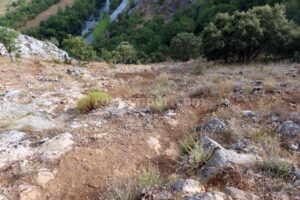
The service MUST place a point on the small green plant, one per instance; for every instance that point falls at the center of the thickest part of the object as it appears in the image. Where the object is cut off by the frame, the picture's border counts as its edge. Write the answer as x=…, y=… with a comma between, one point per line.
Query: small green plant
x=187, y=143
x=276, y=167
x=149, y=178
x=159, y=106
x=93, y=101
x=198, y=157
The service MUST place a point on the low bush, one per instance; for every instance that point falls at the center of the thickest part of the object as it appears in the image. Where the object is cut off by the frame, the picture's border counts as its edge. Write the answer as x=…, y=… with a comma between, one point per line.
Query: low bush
x=93, y=101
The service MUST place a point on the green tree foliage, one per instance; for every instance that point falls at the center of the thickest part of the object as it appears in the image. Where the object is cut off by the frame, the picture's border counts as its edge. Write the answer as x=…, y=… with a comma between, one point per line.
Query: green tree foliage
x=125, y=53
x=78, y=49
x=243, y=35
x=8, y=39
x=185, y=46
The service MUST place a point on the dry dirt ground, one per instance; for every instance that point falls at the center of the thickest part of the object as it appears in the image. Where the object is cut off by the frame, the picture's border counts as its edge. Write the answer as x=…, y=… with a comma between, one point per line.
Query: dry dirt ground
x=122, y=140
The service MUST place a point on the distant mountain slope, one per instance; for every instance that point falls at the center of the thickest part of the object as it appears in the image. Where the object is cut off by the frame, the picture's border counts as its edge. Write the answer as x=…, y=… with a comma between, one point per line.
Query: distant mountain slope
x=167, y=8
x=47, y=13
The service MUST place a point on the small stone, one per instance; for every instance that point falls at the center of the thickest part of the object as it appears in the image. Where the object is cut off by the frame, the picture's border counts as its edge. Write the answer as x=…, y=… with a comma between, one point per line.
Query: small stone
x=248, y=114
x=30, y=193
x=188, y=186
x=208, y=196
x=215, y=126
x=2, y=197
x=44, y=176
x=289, y=129
x=238, y=194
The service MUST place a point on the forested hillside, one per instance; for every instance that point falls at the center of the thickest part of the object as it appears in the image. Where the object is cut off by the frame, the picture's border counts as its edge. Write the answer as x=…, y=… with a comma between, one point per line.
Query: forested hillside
x=271, y=30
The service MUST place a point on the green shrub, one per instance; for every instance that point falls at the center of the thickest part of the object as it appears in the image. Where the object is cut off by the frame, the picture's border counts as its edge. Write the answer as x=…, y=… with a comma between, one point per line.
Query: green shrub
x=125, y=53
x=276, y=167
x=93, y=100
x=150, y=178
x=77, y=48
x=185, y=46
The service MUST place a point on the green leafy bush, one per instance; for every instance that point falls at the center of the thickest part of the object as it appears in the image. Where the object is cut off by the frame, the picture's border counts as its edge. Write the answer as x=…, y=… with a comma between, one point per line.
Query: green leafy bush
x=8, y=38
x=185, y=46
x=93, y=100
x=77, y=48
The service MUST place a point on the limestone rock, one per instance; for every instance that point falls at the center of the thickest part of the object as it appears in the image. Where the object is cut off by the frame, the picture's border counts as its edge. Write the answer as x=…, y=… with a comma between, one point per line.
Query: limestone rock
x=209, y=196
x=44, y=176
x=30, y=193
x=289, y=129
x=238, y=194
x=30, y=46
x=223, y=158
x=188, y=186
x=52, y=149
x=12, y=148
x=35, y=122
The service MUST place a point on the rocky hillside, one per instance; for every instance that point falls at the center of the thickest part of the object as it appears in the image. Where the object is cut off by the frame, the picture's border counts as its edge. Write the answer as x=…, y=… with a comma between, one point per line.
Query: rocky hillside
x=168, y=133
x=30, y=46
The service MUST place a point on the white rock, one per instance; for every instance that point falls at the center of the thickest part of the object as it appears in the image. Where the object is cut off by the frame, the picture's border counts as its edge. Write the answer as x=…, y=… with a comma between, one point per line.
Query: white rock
x=209, y=196
x=191, y=186
x=34, y=122
x=44, y=176
x=2, y=197
x=238, y=194
x=12, y=148
x=55, y=147
x=30, y=193
x=30, y=46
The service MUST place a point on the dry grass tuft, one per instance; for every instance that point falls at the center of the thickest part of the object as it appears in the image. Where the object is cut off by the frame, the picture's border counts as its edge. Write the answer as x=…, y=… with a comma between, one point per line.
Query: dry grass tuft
x=93, y=100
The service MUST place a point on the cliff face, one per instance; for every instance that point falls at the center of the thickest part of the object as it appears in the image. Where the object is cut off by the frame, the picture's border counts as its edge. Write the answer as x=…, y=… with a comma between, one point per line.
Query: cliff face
x=151, y=8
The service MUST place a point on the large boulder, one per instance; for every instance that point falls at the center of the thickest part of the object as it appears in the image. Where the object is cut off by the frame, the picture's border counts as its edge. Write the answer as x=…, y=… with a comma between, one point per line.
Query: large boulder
x=222, y=158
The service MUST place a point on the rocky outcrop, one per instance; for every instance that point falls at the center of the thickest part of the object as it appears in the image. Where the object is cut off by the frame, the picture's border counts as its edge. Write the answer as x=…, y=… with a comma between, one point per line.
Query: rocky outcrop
x=15, y=147
x=30, y=46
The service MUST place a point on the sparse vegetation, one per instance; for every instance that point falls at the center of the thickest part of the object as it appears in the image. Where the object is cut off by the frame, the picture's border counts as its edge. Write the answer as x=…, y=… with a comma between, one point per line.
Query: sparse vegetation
x=198, y=157
x=93, y=101
x=150, y=177
x=159, y=106
x=122, y=189
x=276, y=167
x=187, y=143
